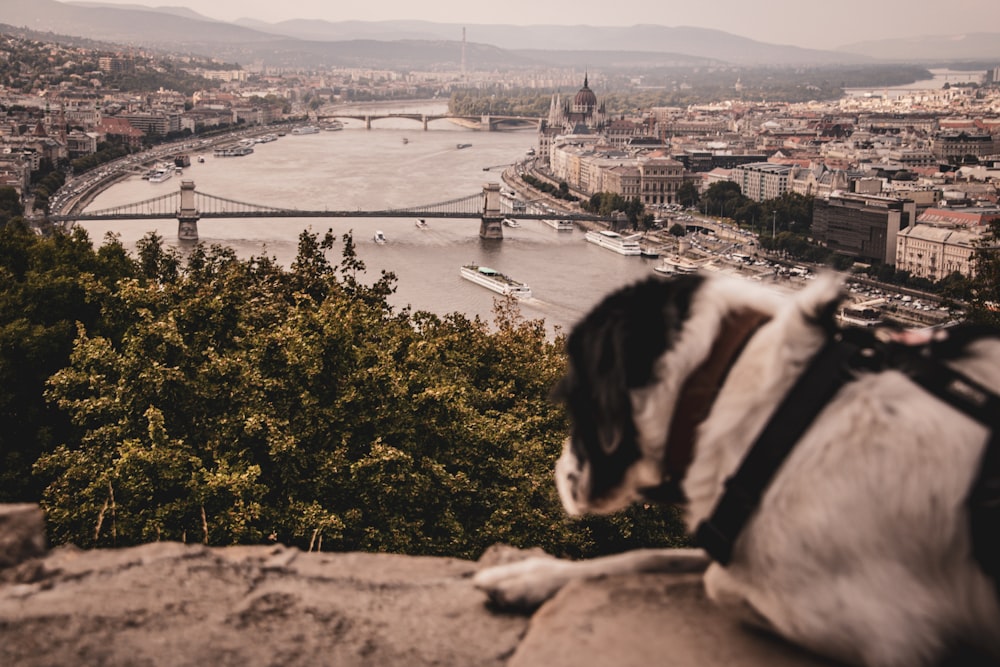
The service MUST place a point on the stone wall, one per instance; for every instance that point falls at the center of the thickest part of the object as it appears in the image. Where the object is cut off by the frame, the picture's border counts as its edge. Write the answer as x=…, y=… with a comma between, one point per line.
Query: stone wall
x=174, y=604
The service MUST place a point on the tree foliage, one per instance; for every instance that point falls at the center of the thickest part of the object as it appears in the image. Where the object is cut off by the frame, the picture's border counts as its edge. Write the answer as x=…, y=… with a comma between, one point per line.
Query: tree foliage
x=223, y=400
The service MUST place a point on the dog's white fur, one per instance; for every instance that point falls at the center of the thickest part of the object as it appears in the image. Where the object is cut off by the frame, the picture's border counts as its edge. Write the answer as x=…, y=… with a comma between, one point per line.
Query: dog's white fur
x=859, y=549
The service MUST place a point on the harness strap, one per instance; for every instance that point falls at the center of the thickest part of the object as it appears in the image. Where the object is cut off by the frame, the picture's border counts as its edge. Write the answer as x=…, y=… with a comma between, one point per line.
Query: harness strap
x=847, y=352
x=983, y=502
x=827, y=372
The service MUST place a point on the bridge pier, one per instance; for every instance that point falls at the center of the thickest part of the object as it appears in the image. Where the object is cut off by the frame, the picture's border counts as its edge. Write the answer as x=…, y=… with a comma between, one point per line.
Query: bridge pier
x=368, y=122
x=423, y=119
x=491, y=225
x=485, y=123
x=187, y=215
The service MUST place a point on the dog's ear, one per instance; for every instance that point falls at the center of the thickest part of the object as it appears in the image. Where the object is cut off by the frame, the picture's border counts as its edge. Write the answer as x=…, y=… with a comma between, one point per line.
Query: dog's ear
x=820, y=301
x=608, y=382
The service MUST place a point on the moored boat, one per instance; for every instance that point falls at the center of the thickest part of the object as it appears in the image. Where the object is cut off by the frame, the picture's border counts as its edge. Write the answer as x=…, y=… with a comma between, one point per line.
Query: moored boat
x=333, y=125
x=496, y=281
x=161, y=173
x=560, y=225
x=866, y=314
x=306, y=129
x=671, y=265
x=623, y=245
x=233, y=150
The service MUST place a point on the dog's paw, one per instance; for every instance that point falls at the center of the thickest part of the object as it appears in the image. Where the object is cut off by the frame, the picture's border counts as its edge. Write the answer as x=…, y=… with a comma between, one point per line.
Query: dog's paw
x=524, y=585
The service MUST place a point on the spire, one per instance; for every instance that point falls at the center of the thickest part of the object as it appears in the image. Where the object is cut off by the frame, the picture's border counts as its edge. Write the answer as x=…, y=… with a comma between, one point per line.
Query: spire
x=585, y=73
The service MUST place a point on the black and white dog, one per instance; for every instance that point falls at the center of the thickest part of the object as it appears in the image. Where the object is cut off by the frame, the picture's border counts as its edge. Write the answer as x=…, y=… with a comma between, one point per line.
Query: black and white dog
x=859, y=547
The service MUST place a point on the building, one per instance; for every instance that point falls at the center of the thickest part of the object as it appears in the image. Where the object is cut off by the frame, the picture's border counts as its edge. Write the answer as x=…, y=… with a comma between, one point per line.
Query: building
x=934, y=251
x=152, y=123
x=659, y=180
x=862, y=226
x=955, y=145
x=761, y=180
x=944, y=241
x=581, y=115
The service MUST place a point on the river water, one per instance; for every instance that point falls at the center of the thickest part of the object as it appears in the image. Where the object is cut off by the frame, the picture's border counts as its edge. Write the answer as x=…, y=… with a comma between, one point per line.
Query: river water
x=374, y=170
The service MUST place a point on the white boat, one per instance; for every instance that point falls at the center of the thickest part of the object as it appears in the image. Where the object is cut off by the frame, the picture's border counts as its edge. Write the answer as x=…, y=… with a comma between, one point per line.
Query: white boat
x=866, y=314
x=511, y=222
x=306, y=129
x=496, y=281
x=233, y=150
x=679, y=265
x=379, y=237
x=421, y=223
x=561, y=225
x=160, y=173
x=201, y=158
x=623, y=245
x=333, y=125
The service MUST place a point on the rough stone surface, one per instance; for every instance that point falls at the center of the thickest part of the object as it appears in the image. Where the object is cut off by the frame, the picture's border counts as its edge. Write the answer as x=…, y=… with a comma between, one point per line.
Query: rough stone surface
x=173, y=604
x=22, y=533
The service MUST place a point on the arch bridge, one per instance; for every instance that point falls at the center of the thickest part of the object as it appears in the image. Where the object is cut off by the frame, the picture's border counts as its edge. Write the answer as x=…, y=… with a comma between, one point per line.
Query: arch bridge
x=189, y=206
x=487, y=122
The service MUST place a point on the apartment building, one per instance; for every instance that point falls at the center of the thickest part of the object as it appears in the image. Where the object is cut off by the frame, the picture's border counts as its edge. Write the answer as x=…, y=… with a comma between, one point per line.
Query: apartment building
x=862, y=226
x=761, y=180
x=944, y=241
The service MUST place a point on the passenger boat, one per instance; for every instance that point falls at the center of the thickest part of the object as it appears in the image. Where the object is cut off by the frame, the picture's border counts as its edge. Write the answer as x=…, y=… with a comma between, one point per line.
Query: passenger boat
x=496, y=281
x=511, y=222
x=623, y=245
x=333, y=125
x=306, y=129
x=671, y=265
x=182, y=160
x=864, y=314
x=379, y=237
x=561, y=225
x=234, y=150
x=649, y=252
x=421, y=223
x=160, y=173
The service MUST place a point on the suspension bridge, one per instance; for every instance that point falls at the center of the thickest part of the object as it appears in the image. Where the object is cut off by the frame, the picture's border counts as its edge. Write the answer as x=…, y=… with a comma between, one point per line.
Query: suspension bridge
x=189, y=206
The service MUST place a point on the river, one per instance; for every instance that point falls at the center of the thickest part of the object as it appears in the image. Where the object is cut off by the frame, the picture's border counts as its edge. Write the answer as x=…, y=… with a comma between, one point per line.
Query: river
x=373, y=170
x=939, y=78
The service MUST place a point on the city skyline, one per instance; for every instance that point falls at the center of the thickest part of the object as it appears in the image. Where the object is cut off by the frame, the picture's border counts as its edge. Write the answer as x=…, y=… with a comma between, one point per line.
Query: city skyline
x=785, y=21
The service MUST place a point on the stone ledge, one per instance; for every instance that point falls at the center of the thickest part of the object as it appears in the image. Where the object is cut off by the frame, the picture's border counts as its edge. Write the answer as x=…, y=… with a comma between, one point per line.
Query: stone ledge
x=22, y=533
x=174, y=604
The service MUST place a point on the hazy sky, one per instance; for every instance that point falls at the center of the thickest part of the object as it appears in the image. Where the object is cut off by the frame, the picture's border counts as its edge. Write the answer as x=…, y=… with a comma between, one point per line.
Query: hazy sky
x=808, y=24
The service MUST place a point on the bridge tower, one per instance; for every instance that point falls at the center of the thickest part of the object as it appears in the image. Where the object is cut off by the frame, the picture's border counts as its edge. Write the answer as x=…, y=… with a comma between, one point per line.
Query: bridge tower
x=492, y=220
x=486, y=123
x=187, y=215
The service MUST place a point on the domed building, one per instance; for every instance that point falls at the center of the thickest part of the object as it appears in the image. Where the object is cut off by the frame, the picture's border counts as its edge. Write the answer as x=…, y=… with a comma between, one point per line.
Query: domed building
x=582, y=116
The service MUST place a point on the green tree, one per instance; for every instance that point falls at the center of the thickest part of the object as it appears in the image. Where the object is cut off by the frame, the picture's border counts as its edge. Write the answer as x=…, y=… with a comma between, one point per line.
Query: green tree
x=47, y=286
x=687, y=194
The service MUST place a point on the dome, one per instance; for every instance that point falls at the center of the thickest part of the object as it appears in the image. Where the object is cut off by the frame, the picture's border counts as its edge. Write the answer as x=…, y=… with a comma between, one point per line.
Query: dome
x=585, y=99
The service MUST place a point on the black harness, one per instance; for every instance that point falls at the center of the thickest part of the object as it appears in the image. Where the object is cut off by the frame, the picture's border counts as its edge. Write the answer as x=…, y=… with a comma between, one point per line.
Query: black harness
x=847, y=354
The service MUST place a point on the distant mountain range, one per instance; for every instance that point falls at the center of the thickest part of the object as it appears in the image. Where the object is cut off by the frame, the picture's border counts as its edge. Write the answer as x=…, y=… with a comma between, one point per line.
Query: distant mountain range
x=423, y=44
